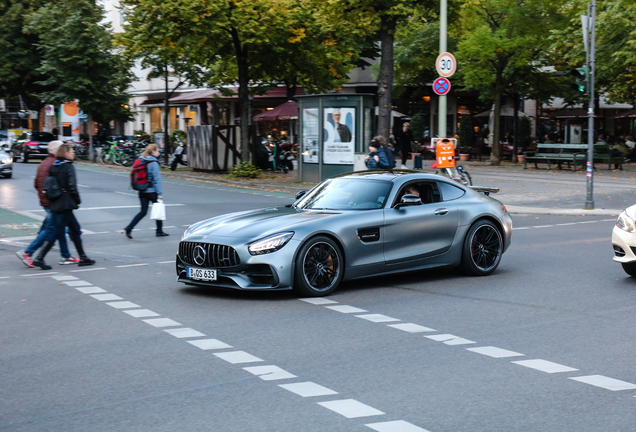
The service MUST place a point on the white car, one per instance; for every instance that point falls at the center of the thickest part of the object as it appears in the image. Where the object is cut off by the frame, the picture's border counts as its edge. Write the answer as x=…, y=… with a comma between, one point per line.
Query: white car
x=6, y=164
x=624, y=240
x=5, y=141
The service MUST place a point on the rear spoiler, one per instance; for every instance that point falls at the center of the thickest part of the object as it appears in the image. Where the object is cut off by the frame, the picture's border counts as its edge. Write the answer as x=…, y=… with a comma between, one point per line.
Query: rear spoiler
x=485, y=190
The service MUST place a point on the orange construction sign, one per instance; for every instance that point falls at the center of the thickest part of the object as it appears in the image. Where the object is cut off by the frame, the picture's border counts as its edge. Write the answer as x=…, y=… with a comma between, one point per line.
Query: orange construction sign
x=445, y=152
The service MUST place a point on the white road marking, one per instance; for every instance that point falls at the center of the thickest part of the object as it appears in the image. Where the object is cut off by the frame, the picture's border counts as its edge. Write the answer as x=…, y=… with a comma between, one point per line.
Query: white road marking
x=5, y=277
x=459, y=341
x=141, y=313
x=90, y=269
x=377, y=318
x=521, y=228
x=77, y=283
x=166, y=262
x=123, y=305
x=308, y=389
x=269, y=373
x=412, y=328
x=345, y=309
x=236, y=357
x=125, y=193
x=118, y=207
x=495, y=352
x=132, y=265
x=317, y=301
x=161, y=322
x=64, y=278
x=441, y=337
x=351, y=408
x=543, y=226
x=91, y=290
x=39, y=274
x=565, y=224
x=209, y=344
x=105, y=297
x=586, y=222
x=605, y=382
x=98, y=232
x=544, y=366
x=185, y=332
x=395, y=426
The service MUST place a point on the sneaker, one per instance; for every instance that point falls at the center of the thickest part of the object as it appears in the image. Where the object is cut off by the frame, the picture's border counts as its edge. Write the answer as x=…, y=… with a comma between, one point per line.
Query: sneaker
x=404, y=167
x=25, y=258
x=86, y=261
x=69, y=260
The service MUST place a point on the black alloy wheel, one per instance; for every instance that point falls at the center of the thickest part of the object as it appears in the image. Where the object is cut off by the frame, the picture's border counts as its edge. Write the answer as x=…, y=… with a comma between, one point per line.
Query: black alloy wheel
x=483, y=247
x=319, y=267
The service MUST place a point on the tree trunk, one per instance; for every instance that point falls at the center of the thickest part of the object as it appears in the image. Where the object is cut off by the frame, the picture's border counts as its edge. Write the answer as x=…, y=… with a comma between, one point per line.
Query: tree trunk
x=515, y=128
x=291, y=89
x=495, y=156
x=90, y=136
x=166, y=122
x=243, y=94
x=385, y=79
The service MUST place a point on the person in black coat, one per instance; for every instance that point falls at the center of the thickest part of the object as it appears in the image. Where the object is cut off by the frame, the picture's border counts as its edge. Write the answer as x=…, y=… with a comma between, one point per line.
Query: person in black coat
x=404, y=139
x=62, y=208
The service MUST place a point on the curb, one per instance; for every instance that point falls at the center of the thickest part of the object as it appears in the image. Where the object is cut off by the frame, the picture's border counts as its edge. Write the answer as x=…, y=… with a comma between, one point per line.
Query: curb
x=561, y=212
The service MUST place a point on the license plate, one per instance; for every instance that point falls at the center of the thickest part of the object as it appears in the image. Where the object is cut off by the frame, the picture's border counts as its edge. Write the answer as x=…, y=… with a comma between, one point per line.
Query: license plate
x=201, y=274
x=44, y=146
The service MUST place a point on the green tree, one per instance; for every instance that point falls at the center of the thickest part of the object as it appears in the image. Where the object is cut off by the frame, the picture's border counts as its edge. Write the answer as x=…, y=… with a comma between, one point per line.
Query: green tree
x=466, y=134
x=504, y=43
x=78, y=59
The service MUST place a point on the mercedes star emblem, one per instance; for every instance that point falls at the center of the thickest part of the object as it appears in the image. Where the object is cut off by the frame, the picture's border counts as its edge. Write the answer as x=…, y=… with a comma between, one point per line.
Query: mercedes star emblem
x=199, y=255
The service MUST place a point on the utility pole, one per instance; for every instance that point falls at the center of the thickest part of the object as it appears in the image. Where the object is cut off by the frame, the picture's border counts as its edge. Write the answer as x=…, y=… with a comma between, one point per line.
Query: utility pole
x=590, y=32
x=441, y=106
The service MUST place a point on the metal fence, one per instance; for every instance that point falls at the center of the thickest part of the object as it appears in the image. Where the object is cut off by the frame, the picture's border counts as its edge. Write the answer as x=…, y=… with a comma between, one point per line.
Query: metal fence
x=213, y=147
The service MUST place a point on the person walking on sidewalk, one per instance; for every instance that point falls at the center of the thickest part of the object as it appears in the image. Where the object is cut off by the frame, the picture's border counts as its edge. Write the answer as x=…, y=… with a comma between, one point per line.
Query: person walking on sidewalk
x=154, y=191
x=62, y=208
x=404, y=139
x=26, y=255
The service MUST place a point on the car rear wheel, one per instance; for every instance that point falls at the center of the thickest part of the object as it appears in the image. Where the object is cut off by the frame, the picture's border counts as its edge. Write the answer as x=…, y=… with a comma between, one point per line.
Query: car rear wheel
x=319, y=267
x=630, y=268
x=483, y=247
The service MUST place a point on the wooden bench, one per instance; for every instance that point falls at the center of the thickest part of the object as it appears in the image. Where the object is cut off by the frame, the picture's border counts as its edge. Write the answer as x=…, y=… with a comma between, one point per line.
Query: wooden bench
x=572, y=154
x=603, y=153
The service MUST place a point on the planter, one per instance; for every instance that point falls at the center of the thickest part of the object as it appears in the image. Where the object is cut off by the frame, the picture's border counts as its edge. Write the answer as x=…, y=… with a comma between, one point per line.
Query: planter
x=463, y=157
x=520, y=158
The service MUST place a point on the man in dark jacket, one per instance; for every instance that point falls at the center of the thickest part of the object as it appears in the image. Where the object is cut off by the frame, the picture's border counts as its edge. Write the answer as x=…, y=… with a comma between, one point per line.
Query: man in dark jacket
x=404, y=139
x=376, y=159
x=26, y=255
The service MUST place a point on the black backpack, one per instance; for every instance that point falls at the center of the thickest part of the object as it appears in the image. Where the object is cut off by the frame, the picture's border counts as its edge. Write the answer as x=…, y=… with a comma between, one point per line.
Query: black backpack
x=51, y=188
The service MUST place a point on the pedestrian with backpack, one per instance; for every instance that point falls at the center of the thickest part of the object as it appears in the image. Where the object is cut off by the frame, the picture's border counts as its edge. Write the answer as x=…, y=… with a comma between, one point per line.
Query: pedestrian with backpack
x=60, y=187
x=145, y=178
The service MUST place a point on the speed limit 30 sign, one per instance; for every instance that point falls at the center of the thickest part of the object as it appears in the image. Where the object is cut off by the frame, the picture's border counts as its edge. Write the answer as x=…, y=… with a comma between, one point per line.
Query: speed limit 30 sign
x=446, y=64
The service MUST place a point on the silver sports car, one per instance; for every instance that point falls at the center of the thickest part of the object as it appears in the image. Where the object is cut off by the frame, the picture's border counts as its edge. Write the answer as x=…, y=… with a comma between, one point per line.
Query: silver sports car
x=348, y=227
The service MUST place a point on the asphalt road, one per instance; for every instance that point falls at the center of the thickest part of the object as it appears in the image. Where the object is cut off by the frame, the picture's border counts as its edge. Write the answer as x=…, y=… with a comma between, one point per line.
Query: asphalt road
x=543, y=344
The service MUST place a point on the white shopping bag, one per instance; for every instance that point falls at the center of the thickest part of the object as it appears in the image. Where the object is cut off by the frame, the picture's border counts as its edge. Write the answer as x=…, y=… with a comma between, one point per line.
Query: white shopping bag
x=158, y=211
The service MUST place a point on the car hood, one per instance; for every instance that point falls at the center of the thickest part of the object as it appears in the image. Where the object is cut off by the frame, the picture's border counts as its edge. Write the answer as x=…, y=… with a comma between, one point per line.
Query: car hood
x=256, y=223
x=631, y=212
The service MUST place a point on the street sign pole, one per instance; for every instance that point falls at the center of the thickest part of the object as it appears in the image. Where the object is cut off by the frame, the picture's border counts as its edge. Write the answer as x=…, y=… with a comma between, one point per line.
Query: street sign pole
x=441, y=108
x=591, y=31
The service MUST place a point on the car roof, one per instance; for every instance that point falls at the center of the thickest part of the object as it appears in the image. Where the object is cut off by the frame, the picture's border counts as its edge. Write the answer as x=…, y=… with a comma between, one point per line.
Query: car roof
x=390, y=175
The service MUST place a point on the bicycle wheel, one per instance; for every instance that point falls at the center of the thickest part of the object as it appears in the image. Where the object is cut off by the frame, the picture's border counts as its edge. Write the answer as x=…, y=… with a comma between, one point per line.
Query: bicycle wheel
x=466, y=179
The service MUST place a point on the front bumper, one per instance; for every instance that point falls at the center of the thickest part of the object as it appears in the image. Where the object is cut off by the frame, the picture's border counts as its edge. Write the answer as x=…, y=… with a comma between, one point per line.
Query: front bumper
x=6, y=168
x=624, y=245
x=269, y=272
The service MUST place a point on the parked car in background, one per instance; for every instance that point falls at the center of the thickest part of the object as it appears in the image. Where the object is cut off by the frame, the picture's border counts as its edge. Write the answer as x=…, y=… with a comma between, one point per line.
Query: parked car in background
x=32, y=146
x=6, y=164
x=624, y=240
x=5, y=140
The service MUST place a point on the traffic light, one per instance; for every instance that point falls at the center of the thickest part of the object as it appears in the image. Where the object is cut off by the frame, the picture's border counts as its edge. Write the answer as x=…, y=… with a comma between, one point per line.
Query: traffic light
x=581, y=80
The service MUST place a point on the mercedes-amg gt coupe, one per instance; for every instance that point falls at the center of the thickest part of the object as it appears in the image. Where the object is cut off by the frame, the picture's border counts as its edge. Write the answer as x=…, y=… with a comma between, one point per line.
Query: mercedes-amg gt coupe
x=348, y=227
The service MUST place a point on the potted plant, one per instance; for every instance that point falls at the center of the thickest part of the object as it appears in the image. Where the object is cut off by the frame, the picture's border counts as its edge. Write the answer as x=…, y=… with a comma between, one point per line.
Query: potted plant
x=464, y=153
x=466, y=137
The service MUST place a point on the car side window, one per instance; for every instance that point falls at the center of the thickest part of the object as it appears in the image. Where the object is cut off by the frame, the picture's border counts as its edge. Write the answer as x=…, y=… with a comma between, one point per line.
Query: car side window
x=427, y=191
x=450, y=192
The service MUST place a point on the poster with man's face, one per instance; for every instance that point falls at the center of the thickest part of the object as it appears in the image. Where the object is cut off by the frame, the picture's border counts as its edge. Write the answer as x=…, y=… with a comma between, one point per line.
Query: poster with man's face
x=339, y=135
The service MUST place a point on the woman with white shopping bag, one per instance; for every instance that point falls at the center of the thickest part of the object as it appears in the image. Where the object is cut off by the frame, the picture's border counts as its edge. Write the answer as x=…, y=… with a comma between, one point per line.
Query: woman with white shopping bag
x=153, y=193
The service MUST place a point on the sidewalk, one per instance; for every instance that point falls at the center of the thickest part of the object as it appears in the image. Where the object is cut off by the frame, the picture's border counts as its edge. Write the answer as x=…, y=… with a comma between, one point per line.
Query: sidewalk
x=530, y=191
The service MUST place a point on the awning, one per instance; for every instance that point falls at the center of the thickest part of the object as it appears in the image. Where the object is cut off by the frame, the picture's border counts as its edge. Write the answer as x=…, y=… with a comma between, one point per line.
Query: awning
x=195, y=96
x=575, y=113
x=286, y=111
x=504, y=112
x=154, y=102
x=209, y=95
x=628, y=114
x=394, y=113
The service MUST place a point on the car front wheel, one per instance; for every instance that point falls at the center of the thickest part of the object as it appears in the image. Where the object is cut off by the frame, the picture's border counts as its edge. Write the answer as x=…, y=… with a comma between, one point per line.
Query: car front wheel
x=319, y=267
x=630, y=268
x=483, y=247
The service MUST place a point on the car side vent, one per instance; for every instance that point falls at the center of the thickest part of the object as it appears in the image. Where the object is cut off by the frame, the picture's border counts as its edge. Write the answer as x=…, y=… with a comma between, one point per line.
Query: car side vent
x=208, y=255
x=619, y=252
x=633, y=248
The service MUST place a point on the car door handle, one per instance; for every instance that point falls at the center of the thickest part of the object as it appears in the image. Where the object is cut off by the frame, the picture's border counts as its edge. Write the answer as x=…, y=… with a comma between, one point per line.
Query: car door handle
x=441, y=212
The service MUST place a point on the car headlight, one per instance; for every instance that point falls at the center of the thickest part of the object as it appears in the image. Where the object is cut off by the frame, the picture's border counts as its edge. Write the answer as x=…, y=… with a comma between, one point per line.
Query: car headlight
x=270, y=244
x=625, y=223
x=6, y=161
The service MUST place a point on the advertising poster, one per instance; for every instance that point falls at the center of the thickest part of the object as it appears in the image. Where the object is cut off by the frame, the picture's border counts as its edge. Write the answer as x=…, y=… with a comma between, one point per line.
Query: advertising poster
x=310, y=135
x=338, y=136
x=70, y=120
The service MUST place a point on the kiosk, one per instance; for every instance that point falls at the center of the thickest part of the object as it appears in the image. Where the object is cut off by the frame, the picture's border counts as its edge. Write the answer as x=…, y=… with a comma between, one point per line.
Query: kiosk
x=334, y=131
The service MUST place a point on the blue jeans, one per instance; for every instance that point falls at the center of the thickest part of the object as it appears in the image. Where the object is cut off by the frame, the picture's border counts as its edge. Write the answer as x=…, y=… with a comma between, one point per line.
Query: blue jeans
x=60, y=222
x=48, y=227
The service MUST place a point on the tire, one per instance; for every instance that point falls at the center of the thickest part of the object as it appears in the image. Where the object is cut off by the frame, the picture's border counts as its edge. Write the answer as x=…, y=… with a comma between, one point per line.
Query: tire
x=483, y=247
x=319, y=267
x=630, y=268
x=8, y=175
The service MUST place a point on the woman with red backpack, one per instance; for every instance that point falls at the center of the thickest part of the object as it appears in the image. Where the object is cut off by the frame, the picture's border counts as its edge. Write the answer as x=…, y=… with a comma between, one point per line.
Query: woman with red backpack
x=149, y=188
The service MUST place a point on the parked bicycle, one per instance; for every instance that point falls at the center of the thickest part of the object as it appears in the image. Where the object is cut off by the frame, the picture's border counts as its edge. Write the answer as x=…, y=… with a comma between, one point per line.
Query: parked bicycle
x=458, y=174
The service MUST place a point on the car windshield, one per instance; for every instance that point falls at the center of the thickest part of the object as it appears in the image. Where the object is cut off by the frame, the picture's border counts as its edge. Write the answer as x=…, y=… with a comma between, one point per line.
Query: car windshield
x=346, y=194
x=42, y=136
x=3, y=135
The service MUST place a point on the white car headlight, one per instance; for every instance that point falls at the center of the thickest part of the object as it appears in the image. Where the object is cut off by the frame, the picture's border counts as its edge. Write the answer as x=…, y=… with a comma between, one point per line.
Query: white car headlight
x=6, y=161
x=270, y=244
x=625, y=223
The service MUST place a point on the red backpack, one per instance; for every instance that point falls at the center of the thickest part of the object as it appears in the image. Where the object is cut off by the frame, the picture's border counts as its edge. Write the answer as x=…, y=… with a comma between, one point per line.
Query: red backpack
x=139, y=175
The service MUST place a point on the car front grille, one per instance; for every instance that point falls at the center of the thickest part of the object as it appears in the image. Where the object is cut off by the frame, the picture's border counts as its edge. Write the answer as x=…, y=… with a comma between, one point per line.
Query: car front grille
x=216, y=256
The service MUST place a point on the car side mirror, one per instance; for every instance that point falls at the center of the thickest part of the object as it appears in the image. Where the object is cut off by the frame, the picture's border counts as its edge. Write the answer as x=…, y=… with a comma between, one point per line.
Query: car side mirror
x=300, y=194
x=409, y=200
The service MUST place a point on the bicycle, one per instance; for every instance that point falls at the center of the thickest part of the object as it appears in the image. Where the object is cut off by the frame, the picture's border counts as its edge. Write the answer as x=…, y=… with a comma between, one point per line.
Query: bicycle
x=110, y=154
x=458, y=174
